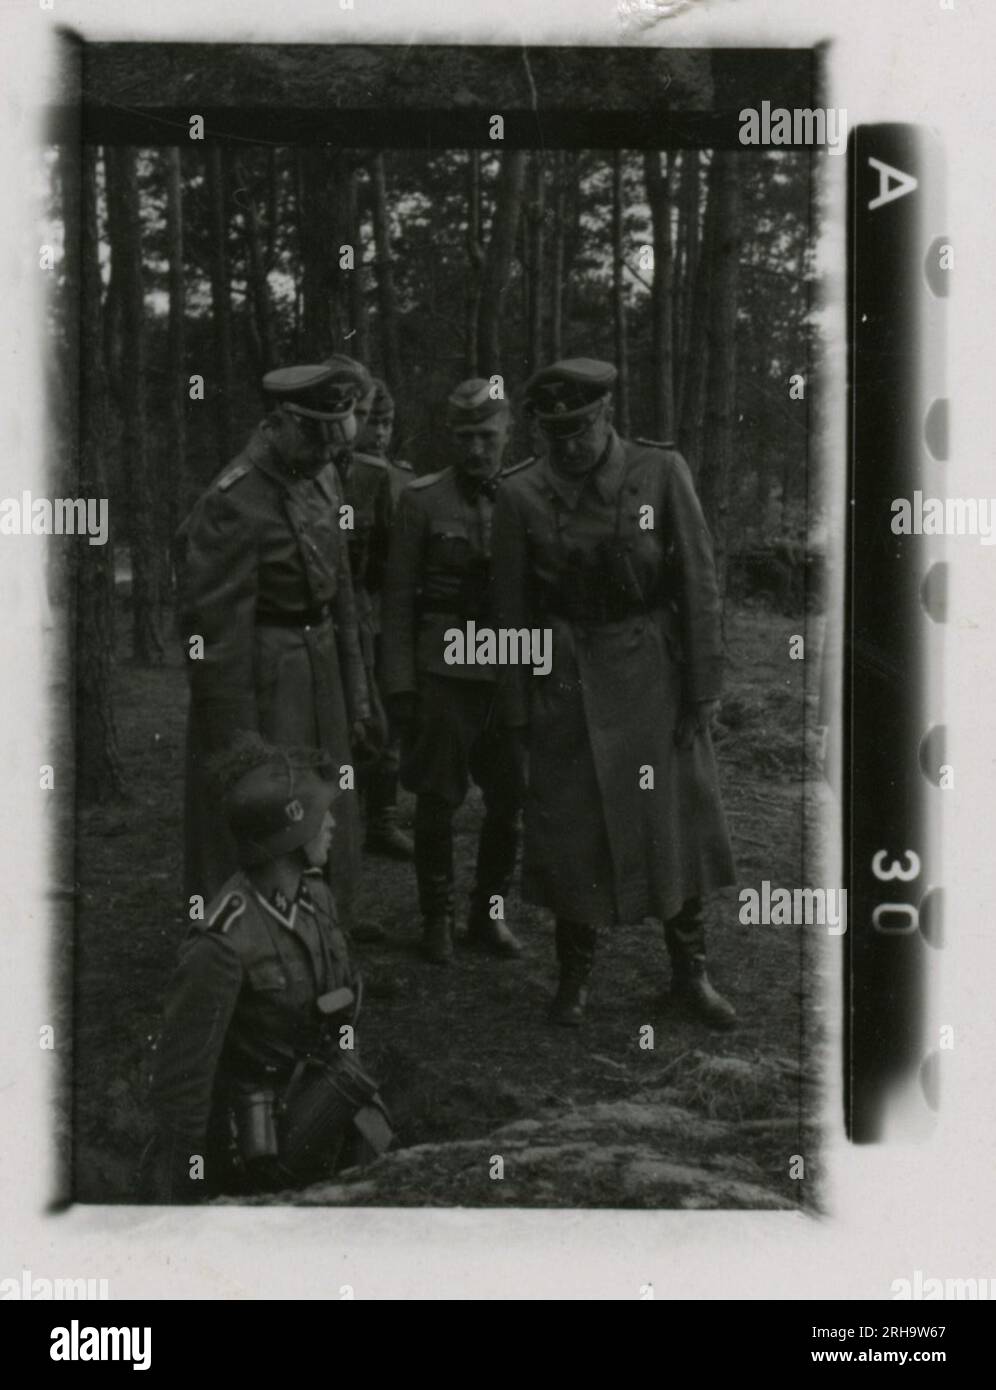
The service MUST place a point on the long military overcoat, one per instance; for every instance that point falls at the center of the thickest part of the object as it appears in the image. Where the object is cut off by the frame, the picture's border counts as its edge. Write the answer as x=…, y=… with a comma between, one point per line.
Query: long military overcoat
x=620, y=824
x=261, y=560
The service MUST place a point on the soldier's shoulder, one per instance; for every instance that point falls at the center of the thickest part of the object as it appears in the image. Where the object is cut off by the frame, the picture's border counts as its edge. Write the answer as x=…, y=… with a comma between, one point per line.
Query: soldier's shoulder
x=402, y=466
x=235, y=472
x=370, y=461
x=659, y=455
x=228, y=908
x=517, y=468
x=668, y=445
x=430, y=480
x=522, y=479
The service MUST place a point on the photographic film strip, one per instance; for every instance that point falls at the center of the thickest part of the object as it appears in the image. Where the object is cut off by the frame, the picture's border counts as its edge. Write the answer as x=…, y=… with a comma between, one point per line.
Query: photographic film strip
x=899, y=262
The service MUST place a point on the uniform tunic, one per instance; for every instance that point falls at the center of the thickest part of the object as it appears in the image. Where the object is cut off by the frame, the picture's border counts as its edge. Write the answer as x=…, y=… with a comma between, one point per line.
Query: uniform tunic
x=240, y=1007
x=264, y=580
x=438, y=578
x=635, y=621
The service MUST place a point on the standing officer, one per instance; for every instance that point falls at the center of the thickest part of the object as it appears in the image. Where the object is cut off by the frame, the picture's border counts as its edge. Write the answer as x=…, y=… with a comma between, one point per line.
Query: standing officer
x=258, y=1045
x=267, y=615
x=366, y=484
x=604, y=542
x=438, y=579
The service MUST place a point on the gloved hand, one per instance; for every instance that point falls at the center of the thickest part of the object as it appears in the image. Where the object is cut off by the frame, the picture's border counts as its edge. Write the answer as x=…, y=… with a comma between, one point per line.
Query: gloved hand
x=699, y=720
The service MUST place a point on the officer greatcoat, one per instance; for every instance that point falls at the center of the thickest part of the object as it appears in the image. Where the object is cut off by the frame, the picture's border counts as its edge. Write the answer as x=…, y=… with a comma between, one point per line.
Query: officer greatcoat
x=619, y=823
x=265, y=582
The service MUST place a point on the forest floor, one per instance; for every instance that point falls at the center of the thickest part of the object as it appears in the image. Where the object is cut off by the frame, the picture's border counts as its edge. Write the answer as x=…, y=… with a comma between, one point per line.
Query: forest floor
x=467, y=1063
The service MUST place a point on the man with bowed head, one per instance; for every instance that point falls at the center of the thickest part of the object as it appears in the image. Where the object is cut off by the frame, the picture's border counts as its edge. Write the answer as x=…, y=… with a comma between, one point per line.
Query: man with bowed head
x=603, y=541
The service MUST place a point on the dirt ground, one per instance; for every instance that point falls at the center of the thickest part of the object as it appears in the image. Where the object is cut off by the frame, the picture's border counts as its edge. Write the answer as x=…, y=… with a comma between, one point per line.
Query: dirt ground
x=468, y=1064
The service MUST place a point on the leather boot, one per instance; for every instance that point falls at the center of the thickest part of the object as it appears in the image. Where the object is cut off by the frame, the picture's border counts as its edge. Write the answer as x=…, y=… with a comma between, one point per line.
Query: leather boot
x=384, y=835
x=576, y=954
x=690, y=985
x=496, y=850
x=434, y=875
x=437, y=937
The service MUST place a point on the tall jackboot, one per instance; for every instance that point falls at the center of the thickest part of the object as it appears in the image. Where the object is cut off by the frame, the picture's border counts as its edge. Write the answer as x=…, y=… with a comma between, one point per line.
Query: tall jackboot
x=384, y=835
x=690, y=985
x=576, y=954
x=434, y=875
x=495, y=866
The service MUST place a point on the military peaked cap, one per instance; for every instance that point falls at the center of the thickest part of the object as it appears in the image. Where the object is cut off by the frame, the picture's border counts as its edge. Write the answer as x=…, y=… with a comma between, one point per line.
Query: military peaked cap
x=563, y=397
x=310, y=391
x=349, y=370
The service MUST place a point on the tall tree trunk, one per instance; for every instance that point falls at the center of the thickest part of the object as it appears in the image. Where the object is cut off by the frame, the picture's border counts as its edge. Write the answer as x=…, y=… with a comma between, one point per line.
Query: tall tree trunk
x=573, y=178
x=686, y=265
x=339, y=231
x=359, y=322
x=662, y=303
x=498, y=259
x=619, y=298
x=720, y=417
x=126, y=259
x=99, y=776
x=475, y=261
x=319, y=257
x=697, y=354
x=176, y=449
x=535, y=229
x=220, y=299
x=299, y=278
x=557, y=281
x=259, y=308
x=272, y=182
x=386, y=297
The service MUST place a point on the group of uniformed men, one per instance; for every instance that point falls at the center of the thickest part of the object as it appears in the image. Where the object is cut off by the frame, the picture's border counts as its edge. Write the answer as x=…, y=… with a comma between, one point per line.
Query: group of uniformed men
x=319, y=578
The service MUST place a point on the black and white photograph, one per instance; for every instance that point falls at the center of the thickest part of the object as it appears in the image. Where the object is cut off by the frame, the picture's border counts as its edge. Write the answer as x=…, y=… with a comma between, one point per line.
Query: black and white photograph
x=480, y=550
x=457, y=631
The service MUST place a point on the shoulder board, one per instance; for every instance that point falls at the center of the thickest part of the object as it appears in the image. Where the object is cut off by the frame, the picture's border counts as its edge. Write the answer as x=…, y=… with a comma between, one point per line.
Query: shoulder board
x=403, y=464
x=428, y=479
x=656, y=443
x=229, y=910
x=370, y=460
x=232, y=474
x=517, y=468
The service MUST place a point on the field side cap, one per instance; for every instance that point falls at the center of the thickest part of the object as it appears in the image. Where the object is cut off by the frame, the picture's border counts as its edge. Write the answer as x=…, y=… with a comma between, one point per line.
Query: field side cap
x=563, y=397
x=471, y=403
x=383, y=401
x=309, y=391
x=276, y=807
x=347, y=370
